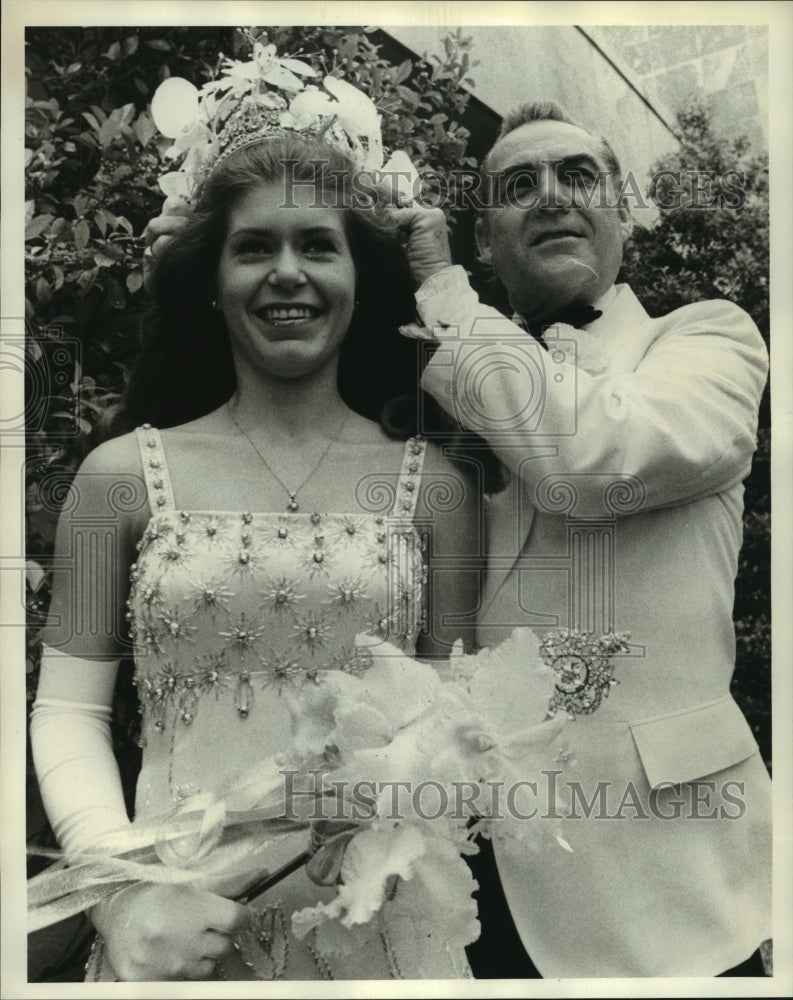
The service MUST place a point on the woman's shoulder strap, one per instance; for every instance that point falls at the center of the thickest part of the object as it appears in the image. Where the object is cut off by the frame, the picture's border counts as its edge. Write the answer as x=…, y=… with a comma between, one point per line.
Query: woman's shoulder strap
x=155, y=469
x=409, y=482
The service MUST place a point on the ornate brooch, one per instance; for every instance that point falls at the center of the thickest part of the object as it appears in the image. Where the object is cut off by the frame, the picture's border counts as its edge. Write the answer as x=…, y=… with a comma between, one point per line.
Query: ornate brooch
x=583, y=666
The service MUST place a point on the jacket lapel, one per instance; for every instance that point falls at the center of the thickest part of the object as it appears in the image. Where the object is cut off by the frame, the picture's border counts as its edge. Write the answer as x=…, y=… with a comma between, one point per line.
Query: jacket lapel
x=613, y=344
x=508, y=519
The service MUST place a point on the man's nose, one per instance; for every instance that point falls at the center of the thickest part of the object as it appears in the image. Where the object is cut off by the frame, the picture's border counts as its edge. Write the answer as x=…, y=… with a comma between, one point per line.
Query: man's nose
x=553, y=195
x=287, y=269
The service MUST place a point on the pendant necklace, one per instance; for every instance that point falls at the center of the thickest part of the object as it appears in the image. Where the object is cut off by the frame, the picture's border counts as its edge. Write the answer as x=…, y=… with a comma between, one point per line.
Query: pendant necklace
x=293, y=506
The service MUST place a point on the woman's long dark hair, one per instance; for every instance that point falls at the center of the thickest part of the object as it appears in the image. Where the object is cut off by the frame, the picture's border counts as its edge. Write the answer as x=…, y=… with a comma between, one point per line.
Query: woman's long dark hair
x=185, y=368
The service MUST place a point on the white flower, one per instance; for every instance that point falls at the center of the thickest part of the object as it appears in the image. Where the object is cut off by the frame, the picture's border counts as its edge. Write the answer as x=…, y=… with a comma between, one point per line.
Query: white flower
x=356, y=112
x=511, y=684
x=433, y=899
x=309, y=105
x=280, y=72
x=372, y=858
x=174, y=107
x=175, y=184
x=400, y=177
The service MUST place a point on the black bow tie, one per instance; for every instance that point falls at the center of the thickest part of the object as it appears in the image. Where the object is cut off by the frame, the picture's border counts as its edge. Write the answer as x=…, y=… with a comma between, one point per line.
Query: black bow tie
x=577, y=315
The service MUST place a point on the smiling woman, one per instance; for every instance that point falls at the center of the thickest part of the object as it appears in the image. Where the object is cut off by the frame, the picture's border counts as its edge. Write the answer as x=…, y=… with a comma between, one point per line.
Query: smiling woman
x=187, y=335
x=274, y=521
x=286, y=284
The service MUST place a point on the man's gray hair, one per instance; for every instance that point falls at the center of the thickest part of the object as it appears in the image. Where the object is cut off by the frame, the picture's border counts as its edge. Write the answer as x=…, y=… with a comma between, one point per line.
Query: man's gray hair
x=550, y=111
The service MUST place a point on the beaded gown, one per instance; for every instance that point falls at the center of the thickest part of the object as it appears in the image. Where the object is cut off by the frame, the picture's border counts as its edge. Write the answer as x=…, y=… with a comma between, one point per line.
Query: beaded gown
x=228, y=612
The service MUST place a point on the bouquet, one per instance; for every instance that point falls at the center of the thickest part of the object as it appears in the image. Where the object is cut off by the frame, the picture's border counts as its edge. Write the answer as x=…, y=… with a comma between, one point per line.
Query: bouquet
x=390, y=773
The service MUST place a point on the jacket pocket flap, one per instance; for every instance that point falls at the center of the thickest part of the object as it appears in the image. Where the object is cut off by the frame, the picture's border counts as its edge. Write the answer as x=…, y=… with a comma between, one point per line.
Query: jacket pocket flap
x=684, y=746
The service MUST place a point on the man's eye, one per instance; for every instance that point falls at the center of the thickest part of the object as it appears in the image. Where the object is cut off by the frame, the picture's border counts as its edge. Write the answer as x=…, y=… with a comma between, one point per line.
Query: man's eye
x=579, y=175
x=523, y=183
x=518, y=189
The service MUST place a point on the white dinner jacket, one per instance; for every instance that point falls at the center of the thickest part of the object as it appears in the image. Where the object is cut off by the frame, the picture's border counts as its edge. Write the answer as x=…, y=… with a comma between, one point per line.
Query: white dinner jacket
x=628, y=443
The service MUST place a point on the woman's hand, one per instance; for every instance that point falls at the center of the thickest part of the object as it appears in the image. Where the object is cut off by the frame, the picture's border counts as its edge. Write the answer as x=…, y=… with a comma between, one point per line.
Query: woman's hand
x=162, y=932
x=426, y=241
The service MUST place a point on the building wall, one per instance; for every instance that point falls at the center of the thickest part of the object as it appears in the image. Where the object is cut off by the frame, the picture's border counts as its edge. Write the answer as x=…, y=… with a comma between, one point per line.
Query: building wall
x=565, y=64
x=726, y=65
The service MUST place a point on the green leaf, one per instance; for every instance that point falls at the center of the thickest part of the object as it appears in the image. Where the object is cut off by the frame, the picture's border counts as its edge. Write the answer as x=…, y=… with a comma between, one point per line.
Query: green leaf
x=81, y=204
x=134, y=281
x=118, y=119
x=82, y=234
x=144, y=129
x=91, y=120
x=114, y=52
x=159, y=45
x=87, y=279
x=131, y=45
x=125, y=114
x=403, y=71
x=37, y=226
x=43, y=291
x=409, y=98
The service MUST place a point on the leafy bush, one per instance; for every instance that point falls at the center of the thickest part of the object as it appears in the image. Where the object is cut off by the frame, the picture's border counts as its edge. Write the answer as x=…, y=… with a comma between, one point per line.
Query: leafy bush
x=692, y=254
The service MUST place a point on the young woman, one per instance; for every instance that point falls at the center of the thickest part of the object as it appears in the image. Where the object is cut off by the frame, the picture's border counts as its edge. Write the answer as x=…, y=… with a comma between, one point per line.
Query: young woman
x=258, y=518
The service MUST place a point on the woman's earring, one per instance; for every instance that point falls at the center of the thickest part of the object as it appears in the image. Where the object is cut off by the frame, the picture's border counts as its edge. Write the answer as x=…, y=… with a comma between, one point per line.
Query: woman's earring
x=214, y=303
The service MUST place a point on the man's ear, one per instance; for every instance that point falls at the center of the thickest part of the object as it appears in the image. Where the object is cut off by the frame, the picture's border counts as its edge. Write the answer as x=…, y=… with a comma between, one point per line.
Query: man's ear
x=626, y=221
x=482, y=237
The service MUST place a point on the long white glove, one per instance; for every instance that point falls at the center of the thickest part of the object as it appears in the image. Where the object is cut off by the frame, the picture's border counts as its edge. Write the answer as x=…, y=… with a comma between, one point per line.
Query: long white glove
x=73, y=752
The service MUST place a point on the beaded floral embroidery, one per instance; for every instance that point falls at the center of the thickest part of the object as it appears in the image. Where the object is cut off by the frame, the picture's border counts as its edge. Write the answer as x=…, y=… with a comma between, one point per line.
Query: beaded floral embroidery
x=244, y=606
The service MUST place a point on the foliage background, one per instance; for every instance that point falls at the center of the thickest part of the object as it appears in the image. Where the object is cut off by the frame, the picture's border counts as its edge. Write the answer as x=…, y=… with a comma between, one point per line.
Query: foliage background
x=92, y=161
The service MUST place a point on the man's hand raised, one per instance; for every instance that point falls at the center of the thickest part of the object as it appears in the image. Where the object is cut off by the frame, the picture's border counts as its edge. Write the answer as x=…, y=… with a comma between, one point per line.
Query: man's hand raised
x=426, y=241
x=160, y=230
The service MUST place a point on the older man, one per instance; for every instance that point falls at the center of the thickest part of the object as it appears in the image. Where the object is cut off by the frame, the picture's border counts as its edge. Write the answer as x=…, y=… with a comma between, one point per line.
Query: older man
x=627, y=439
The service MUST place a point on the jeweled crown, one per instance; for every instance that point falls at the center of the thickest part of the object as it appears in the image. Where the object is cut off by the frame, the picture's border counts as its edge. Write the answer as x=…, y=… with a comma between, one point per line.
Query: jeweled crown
x=267, y=95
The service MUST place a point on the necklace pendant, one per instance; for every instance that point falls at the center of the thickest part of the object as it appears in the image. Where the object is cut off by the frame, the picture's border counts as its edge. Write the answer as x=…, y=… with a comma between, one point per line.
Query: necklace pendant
x=293, y=504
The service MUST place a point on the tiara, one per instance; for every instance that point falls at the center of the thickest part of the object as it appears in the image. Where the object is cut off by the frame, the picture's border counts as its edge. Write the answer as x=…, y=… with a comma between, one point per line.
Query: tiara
x=263, y=97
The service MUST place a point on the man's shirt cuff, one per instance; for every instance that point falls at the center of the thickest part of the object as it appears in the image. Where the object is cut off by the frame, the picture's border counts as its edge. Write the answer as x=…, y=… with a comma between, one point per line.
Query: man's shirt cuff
x=444, y=297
